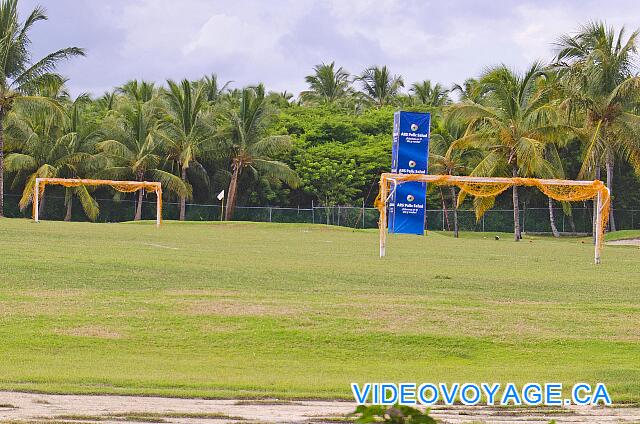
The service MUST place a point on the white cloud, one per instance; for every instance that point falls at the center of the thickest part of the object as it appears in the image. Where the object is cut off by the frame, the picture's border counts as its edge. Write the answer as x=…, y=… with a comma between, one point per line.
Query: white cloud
x=279, y=41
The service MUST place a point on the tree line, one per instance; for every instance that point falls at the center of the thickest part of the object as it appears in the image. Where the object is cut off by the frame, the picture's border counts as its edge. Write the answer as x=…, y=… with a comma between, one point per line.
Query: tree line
x=575, y=117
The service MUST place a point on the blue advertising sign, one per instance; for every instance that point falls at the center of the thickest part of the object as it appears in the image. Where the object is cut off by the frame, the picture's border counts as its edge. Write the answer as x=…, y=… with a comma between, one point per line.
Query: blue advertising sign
x=410, y=155
x=410, y=150
x=406, y=210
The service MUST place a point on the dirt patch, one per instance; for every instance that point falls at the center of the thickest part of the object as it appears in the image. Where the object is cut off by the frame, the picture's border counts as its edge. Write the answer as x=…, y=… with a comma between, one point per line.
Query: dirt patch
x=200, y=292
x=229, y=308
x=90, y=331
x=100, y=409
x=625, y=242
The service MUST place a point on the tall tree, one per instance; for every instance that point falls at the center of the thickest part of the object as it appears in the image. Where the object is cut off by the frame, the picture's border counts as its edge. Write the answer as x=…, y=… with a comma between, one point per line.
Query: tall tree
x=379, y=86
x=448, y=155
x=249, y=147
x=186, y=134
x=212, y=89
x=19, y=74
x=600, y=82
x=327, y=84
x=468, y=90
x=139, y=91
x=431, y=95
x=132, y=148
x=514, y=123
x=51, y=146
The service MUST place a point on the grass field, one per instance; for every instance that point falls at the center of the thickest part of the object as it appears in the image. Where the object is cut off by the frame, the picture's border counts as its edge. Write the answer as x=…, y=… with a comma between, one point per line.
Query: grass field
x=287, y=310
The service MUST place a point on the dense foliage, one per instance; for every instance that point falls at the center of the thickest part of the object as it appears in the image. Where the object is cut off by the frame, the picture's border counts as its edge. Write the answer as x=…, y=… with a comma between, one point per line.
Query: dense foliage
x=565, y=119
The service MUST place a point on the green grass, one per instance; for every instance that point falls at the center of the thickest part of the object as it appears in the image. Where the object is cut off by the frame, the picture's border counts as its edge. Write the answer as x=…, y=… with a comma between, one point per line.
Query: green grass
x=300, y=311
x=623, y=235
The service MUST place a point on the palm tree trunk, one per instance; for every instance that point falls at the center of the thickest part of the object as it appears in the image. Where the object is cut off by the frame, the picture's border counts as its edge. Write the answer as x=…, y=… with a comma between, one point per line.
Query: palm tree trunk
x=445, y=212
x=454, y=201
x=572, y=224
x=1, y=164
x=233, y=188
x=552, y=219
x=609, y=165
x=595, y=208
x=138, y=215
x=67, y=217
x=41, y=206
x=516, y=209
x=183, y=200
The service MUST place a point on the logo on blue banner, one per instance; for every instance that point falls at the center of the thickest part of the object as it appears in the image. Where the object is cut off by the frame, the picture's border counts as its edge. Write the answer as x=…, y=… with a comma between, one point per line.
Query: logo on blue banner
x=410, y=155
x=410, y=143
x=406, y=210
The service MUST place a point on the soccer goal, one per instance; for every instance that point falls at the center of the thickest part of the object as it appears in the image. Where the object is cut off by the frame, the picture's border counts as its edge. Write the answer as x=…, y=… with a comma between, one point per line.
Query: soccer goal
x=561, y=190
x=122, y=186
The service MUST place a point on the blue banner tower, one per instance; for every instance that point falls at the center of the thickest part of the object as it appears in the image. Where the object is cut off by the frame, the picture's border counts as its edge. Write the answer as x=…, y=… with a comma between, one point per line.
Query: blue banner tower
x=410, y=155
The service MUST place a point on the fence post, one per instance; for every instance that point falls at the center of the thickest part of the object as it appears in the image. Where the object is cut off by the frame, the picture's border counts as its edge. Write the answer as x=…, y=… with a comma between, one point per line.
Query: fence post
x=363, y=214
x=270, y=213
x=338, y=215
x=443, y=219
x=483, y=223
x=563, y=222
x=313, y=213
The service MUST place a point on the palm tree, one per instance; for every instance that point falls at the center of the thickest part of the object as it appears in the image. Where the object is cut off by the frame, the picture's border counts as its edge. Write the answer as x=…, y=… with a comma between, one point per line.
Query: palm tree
x=212, y=90
x=379, y=86
x=250, y=148
x=52, y=147
x=469, y=90
x=132, y=148
x=79, y=162
x=186, y=134
x=107, y=101
x=20, y=75
x=142, y=91
x=280, y=100
x=327, y=84
x=599, y=79
x=513, y=124
x=430, y=95
x=447, y=157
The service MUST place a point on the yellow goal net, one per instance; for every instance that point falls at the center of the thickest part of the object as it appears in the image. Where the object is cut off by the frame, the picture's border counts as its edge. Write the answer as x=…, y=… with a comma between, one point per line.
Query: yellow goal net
x=122, y=186
x=561, y=190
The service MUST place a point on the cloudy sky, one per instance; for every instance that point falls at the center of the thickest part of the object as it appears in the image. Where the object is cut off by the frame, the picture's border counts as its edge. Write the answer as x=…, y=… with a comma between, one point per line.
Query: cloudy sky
x=278, y=41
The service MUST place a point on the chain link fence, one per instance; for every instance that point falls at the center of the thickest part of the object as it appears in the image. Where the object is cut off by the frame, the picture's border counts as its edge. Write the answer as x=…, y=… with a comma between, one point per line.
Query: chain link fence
x=532, y=220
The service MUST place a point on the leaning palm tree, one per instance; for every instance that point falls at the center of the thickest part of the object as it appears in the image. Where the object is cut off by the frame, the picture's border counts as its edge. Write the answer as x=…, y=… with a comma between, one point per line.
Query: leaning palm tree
x=248, y=146
x=327, y=84
x=19, y=75
x=186, y=133
x=513, y=124
x=430, y=95
x=379, y=86
x=598, y=66
x=132, y=149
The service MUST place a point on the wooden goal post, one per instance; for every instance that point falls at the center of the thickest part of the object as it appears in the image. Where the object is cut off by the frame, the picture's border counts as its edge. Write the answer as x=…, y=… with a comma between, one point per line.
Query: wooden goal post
x=561, y=190
x=122, y=186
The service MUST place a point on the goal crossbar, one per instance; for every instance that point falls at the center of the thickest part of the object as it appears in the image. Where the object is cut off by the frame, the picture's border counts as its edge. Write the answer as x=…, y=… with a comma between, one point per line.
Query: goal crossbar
x=122, y=186
x=561, y=190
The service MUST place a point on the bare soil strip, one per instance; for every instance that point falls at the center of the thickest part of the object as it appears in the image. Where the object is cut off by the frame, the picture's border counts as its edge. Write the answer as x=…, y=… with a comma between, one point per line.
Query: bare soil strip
x=30, y=407
x=625, y=242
